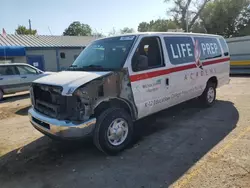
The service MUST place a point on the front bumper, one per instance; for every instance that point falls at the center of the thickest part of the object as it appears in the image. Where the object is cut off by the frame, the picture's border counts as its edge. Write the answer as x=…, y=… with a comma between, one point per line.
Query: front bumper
x=60, y=129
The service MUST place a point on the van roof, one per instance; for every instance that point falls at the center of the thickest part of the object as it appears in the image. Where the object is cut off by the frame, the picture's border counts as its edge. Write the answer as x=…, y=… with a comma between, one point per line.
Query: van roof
x=163, y=33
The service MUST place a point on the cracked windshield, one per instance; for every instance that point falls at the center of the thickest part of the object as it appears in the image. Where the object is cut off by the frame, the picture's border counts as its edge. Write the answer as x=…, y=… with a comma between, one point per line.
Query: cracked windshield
x=130, y=94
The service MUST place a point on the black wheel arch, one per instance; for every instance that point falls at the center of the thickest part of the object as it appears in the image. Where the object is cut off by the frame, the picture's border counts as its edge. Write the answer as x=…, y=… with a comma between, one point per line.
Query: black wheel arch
x=213, y=80
x=116, y=103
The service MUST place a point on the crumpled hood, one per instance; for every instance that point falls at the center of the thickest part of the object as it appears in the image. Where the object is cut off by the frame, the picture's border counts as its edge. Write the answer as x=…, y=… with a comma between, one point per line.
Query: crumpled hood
x=69, y=80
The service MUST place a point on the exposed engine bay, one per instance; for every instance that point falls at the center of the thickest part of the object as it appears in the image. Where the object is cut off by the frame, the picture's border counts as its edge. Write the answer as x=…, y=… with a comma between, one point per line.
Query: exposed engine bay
x=47, y=99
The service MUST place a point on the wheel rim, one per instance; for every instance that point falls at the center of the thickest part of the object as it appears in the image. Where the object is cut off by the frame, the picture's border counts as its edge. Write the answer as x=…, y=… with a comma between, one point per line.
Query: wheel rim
x=117, y=132
x=210, y=95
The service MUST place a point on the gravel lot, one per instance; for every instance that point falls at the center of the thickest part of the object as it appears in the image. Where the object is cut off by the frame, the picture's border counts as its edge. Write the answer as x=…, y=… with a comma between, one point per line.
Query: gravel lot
x=185, y=146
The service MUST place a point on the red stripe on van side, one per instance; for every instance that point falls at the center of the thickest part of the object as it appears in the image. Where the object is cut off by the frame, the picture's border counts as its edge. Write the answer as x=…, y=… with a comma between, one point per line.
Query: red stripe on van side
x=153, y=74
x=216, y=61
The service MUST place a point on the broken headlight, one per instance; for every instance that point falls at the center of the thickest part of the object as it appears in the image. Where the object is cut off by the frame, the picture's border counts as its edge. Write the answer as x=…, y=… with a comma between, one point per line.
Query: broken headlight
x=81, y=93
x=82, y=102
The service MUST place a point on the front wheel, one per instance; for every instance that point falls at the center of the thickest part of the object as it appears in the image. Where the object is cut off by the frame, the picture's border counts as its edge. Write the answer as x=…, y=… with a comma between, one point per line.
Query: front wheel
x=209, y=95
x=114, y=131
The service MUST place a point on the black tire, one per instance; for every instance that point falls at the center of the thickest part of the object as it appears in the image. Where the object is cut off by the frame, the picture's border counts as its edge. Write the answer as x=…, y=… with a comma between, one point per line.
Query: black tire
x=205, y=101
x=100, y=133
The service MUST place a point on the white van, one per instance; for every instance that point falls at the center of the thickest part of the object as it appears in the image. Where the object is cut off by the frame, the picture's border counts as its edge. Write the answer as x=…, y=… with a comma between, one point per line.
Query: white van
x=118, y=80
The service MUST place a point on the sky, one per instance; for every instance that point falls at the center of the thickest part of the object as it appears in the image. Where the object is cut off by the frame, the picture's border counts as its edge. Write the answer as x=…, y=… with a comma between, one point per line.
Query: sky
x=56, y=15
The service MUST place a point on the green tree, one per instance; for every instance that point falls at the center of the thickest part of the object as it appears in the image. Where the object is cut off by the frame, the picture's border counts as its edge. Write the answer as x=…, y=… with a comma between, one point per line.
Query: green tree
x=186, y=11
x=78, y=29
x=143, y=27
x=98, y=35
x=159, y=25
x=243, y=24
x=227, y=17
x=127, y=30
x=22, y=30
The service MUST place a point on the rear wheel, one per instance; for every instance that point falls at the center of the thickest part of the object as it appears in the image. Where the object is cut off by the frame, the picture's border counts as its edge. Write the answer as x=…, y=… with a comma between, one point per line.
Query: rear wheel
x=209, y=95
x=114, y=131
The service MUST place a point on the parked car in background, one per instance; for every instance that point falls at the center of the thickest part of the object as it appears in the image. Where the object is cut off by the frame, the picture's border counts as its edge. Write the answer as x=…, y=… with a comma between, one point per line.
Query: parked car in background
x=17, y=77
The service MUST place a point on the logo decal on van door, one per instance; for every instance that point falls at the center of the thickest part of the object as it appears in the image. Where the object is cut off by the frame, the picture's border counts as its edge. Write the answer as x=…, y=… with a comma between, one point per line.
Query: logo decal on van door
x=151, y=87
x=197, y=54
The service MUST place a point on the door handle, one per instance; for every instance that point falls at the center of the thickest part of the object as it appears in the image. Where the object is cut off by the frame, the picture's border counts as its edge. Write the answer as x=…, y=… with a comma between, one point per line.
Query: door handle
x=167, y=81
x=1, y=78
x=23, y=76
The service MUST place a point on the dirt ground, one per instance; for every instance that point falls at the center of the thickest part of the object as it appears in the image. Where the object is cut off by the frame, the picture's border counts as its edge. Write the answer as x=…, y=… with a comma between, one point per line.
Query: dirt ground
x=13, y=105
x=185, y=146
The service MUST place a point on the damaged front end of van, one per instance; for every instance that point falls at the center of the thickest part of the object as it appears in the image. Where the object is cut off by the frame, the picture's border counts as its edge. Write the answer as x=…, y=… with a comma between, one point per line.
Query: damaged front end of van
x=69, y=111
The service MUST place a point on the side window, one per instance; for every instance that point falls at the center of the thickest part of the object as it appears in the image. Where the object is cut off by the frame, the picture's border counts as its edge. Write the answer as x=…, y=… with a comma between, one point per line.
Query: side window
x=209, y=47
x=62, y=55
x=180, y=49
x=7, y=70
x=224, y=47
x=26, y=70
x=148, y=55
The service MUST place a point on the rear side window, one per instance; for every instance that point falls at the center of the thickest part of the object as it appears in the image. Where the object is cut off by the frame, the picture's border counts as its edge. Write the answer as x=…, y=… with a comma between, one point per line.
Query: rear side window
x=180, y=49
x=224, y=46
x=209, y=47
x=26, y=70
x=7, y=70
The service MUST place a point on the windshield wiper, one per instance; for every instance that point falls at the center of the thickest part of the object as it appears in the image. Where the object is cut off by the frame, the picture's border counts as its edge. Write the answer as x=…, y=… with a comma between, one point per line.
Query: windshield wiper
x=73, y=66
x=88, y=68
x=94, y=66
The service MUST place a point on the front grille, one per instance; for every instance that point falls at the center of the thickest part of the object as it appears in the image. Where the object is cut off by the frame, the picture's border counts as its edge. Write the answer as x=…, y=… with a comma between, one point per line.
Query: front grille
x=48, y=100
x=45, y=96
x=47, y=108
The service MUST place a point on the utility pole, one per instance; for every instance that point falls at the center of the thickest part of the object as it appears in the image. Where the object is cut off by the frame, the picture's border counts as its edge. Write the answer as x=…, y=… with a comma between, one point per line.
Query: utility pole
x=30, y=25
x=187, y=14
